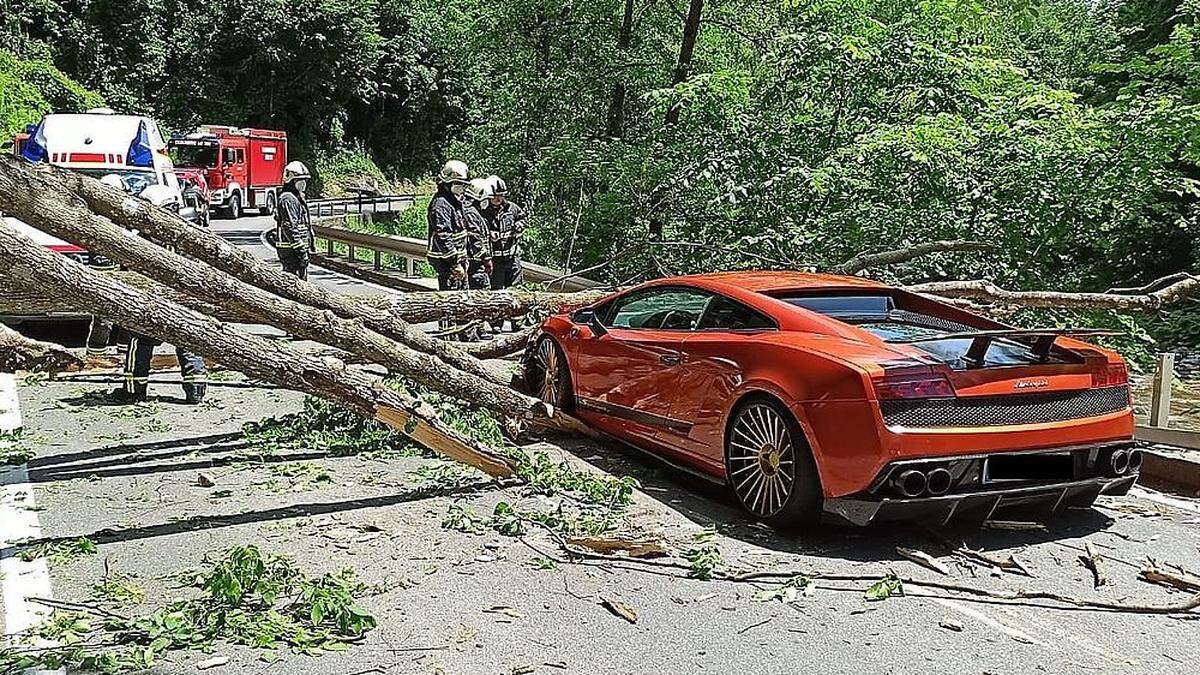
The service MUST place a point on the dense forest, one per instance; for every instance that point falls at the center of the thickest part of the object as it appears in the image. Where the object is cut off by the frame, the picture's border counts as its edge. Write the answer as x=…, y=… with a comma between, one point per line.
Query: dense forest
x=750, y=133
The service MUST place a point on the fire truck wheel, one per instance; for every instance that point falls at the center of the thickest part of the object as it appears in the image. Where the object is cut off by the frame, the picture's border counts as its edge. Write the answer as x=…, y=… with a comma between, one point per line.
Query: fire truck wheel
x=235, y=206
x=269, y=209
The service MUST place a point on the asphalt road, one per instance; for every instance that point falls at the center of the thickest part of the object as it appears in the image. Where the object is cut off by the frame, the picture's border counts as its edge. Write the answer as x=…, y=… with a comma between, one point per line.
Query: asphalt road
x=127, y=477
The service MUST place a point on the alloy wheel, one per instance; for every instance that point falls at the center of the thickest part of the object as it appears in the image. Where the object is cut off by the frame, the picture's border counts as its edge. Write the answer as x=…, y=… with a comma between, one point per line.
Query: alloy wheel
x=762, y=459
x=548, y=363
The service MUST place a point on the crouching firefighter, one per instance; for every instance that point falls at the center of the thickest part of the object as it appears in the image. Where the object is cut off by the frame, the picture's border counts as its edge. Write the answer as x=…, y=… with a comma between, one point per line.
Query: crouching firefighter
x=140, y=348
x=293, y=227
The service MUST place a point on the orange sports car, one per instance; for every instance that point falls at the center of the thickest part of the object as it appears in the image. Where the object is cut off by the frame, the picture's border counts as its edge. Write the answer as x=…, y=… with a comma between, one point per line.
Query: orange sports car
x=813, y=395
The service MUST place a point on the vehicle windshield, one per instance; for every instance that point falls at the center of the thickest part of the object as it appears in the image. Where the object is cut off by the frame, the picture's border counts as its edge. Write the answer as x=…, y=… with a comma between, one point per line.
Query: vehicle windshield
x=135, y=181
x=199, y=155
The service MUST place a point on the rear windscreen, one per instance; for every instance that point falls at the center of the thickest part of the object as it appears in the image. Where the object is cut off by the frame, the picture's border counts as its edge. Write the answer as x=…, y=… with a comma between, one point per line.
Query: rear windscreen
x=843, y=305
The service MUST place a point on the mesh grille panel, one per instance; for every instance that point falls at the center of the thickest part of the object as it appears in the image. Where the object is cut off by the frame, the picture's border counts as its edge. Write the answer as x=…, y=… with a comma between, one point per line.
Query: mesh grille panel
x=986, y=411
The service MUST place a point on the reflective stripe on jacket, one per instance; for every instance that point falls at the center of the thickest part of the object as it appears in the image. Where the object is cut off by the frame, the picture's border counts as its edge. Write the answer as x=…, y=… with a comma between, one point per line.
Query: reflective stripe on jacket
x=505, y=224
x=293, y=226
x=447, y=226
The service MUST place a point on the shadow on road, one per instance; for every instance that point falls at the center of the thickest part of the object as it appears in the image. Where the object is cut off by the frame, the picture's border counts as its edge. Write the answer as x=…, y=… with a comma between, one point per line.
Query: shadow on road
x=711, y=505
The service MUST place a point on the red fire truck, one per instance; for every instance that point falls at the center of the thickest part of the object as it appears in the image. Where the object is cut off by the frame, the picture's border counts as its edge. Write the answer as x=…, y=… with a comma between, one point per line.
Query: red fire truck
x=243, y=167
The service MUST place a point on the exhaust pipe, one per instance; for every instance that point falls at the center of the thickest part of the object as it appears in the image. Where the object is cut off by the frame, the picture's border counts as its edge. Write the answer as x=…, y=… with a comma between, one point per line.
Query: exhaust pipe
x=1135, y=461
x=1119, y=462
x=938, y=481
x=910, y=483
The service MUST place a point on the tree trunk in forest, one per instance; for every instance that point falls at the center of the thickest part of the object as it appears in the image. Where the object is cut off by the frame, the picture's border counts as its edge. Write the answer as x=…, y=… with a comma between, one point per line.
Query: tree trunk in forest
x=39, y=205
x=616, y=108
x=27, y=265
x=205, y=246
x=691, y=30
x=18, y=352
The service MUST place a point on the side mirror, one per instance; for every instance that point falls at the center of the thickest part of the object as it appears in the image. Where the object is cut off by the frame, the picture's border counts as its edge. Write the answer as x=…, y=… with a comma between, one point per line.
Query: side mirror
x=587, y=316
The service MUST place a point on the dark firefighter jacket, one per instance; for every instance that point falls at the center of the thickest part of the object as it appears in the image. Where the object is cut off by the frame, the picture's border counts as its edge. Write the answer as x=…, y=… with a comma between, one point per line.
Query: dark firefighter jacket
x=293, y=229
x=478, y=244
x=447, y=226
x=505, y=224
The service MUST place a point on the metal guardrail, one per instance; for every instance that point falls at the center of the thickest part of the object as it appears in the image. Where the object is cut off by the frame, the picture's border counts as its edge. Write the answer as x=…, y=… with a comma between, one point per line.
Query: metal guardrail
x=413, y=251
x=364, y=202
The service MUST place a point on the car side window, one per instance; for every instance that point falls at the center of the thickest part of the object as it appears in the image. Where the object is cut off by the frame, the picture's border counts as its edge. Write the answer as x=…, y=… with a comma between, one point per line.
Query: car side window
x=726, y=314
x=663, y=309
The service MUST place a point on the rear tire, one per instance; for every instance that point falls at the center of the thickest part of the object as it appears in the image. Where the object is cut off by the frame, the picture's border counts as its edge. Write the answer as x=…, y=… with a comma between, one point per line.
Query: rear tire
x=769, y=466
x=548, y=376
x=234, y=211
x=269, y=209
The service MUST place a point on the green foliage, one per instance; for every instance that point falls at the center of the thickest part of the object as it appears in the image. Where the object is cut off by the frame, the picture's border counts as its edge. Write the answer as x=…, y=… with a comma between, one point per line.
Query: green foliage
x=30, y=88
x=60, y=551
x=884, y=589
x=14, y=449
x=787, y=592
x=119, y=589
x=704, y=561
x=245, y=597
x=326, y=427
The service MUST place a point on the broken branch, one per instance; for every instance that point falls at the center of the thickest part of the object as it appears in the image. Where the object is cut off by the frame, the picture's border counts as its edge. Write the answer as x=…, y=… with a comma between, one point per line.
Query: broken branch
x=864, y=261
x=18, y=352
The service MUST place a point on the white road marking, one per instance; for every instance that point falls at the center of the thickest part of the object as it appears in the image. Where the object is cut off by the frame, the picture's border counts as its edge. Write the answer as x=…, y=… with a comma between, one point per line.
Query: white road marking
x=18, y=521
x=996, y=624
x=1160, y=498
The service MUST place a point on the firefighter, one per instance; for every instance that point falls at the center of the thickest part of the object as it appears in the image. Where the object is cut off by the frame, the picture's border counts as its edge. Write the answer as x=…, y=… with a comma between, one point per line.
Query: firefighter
x=505, y=223
x=140, y=349
x=447, y=252
x=479, y=245
x=293, y=228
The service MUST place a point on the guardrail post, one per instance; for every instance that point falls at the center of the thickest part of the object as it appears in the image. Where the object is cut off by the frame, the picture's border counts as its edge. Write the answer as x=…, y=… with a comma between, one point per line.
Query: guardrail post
x=378, y=260
x=329, y=247
x=350, y=252
x=1160, y=399
x=410, y=267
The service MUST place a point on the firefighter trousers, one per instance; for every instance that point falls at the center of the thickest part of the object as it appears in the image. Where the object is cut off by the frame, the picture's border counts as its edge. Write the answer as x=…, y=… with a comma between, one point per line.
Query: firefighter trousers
x=506, y=272
x=294, y=261
x=137, y=367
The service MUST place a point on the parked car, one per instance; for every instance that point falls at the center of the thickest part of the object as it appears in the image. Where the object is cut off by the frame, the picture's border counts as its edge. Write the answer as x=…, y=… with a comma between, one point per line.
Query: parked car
x=813, y=395
x=196, y=194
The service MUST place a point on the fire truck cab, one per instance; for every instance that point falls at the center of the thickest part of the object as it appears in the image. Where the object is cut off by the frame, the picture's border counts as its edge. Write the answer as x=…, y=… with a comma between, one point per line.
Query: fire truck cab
x=243, y=167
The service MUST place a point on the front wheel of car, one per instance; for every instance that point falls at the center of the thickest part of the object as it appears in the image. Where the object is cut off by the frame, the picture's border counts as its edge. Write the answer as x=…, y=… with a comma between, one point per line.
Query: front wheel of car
x=547, y=374
x=769, y=466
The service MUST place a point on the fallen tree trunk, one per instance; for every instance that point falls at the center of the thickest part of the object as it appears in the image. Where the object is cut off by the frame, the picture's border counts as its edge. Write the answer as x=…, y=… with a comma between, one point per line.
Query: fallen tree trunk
x=864, y=261
x=18, y=352
x=37, y=204
x=205, y=246
x=984, y=290
x=29, y=265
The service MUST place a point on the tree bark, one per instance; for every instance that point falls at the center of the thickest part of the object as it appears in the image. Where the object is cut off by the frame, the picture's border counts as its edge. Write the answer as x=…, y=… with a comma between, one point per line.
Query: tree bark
x=616, y=107
x=411, y=307
x=205, y=246
x=984, y=290
x=18, y=352
x=864, y=261
x=28, y=265
x=40, y=204
x=691, y=30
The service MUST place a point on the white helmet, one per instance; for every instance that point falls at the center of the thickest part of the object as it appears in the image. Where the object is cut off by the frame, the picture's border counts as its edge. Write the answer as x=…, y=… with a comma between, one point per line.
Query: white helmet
x=479, y=189
x=115, y=181
x=499, y=187
x=453, y=171
x=295, y=170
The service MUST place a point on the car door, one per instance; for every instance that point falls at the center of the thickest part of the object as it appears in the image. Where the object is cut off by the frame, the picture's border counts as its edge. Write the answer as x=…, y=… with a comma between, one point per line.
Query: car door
x=713, y=360
x=626, y=375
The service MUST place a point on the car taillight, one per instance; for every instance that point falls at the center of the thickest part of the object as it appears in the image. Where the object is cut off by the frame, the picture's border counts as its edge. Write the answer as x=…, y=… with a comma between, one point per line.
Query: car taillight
x=912, y=382
x=1110, y=375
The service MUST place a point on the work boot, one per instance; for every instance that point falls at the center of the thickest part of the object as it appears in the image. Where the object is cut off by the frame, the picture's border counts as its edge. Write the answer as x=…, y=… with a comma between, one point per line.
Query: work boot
x=123, y=395
x=193, y=394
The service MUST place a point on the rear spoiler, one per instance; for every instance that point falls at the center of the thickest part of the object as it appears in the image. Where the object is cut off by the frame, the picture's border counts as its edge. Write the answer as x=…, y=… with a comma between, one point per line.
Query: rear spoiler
x=981, y=340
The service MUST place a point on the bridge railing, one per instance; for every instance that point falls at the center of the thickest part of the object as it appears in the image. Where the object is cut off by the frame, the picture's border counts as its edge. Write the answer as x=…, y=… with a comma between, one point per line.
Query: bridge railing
x=386, y=250
x=363, y=202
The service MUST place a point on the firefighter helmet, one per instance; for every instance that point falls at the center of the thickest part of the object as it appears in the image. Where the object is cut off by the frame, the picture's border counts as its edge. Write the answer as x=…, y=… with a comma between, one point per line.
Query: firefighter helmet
x=479, y=189
x=452, y=172
x=499, y=187
x=115, y=181
x=295, y=170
